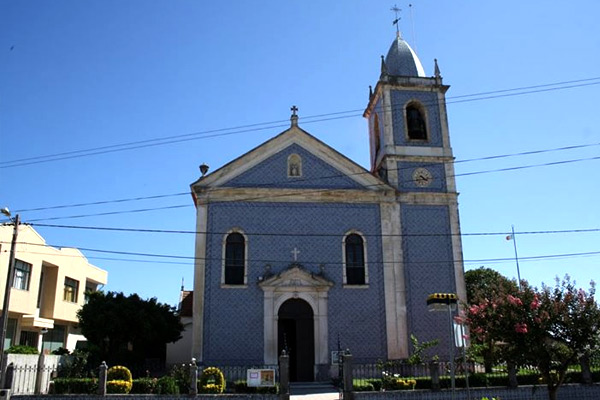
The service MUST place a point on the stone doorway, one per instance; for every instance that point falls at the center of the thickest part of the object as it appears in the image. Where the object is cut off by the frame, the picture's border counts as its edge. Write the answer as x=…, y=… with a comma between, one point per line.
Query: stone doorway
x=295, y=334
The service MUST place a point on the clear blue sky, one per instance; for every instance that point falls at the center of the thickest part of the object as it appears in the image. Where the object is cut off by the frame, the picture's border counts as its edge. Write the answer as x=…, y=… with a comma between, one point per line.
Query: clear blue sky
x=78, y=75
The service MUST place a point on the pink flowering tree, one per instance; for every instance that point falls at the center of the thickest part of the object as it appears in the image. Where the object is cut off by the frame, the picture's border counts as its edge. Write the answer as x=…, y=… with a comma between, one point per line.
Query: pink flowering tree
x=550, y=328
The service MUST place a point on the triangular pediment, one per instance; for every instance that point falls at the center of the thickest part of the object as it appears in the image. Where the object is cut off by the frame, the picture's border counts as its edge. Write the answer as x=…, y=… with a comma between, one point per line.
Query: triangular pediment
x=296, y=278
x=336, y=164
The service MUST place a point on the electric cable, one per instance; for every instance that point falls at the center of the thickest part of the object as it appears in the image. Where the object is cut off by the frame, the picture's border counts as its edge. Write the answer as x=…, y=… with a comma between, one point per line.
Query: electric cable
x=277, y=124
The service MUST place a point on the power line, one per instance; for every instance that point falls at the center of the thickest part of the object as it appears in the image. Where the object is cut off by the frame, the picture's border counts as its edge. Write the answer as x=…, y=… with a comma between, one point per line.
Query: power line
x=139, y=198
x=278, y=124
x=304, y=191
x=312, y=262
x=142, y=230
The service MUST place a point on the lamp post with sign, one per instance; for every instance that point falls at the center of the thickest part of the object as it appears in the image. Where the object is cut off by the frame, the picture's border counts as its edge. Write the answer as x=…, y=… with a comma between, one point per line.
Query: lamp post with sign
x=446, y=302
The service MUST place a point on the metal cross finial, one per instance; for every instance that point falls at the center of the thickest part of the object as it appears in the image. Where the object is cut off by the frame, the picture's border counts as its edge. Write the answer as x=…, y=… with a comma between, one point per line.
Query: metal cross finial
x=396, y=10
x=294, y=110
x=295, y=252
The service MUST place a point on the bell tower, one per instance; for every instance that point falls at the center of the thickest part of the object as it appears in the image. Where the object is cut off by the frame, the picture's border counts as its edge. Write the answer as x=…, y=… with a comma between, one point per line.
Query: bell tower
x=410, y=150
x=408, y=127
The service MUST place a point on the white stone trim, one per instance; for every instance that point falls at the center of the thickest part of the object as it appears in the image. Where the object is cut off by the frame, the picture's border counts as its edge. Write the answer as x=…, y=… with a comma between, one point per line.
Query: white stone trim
x=394, y=283
x=443, y=119
x=293, y=195
x=223, y=252
x=422, y=151
x=366, y=262
x=459, y=271
x=297, y=136
x=199, y=282
x=290, y=284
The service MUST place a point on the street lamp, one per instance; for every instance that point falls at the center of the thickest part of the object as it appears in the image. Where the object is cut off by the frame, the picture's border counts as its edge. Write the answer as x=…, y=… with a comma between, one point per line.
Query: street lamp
x=9, y=280
x=443, y=302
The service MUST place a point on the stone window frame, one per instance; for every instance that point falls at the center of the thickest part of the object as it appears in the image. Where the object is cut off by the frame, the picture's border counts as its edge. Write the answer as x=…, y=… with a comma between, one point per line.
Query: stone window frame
x=294, y=159
x=424, y=114
x=224, y=252
x=366, y=263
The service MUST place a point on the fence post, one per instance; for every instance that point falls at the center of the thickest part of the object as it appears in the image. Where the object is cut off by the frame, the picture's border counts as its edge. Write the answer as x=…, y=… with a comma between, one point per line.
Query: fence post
x=284, y=376
x=10, y=375
x=512, y=375
x=347, y=379
x=102, y=379
x=39, y=374
x=193, y=378
x=434, y=371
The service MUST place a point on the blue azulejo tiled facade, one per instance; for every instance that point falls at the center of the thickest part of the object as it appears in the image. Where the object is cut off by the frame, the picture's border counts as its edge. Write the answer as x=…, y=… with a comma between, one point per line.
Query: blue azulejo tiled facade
x=301, y=249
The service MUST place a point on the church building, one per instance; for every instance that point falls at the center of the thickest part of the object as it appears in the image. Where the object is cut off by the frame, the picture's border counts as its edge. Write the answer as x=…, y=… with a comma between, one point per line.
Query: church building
x=300, y=248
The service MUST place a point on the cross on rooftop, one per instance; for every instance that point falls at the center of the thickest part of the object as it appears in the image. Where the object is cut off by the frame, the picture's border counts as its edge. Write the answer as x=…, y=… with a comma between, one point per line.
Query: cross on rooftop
x=295, y=252
x=396, y=10
x=294, y=110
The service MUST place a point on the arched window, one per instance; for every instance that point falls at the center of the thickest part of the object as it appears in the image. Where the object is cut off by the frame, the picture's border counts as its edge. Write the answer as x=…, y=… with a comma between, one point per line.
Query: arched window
x=355, y=260
x=294, y=166
x=235, y=259
x=415, y=123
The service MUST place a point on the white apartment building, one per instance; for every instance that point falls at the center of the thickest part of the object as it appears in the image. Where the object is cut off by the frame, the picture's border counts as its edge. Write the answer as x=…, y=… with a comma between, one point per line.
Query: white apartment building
x=49, y=287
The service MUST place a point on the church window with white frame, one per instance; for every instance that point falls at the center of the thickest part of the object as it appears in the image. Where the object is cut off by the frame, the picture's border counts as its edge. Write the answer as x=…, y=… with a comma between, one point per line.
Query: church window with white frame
x=234, y=259
x=294, y=167
x=415, y=122
x=355, y=265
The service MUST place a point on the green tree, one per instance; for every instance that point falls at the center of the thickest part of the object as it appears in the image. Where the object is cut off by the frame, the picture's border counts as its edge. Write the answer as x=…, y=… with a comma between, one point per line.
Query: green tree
x=127, y=329
x=482, y=281
x=550, y=328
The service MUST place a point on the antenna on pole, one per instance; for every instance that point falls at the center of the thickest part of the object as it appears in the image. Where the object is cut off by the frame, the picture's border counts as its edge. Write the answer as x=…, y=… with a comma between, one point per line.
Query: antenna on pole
x=412, y=22
x=396, y=10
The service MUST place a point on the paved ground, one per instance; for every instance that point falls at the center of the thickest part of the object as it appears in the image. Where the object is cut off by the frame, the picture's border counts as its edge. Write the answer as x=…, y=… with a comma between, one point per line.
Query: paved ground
x=313, y=391
x=317, y=396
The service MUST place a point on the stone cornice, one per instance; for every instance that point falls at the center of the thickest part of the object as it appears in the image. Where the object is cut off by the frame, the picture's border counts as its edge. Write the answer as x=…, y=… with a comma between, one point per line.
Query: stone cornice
x=293, y=195
x=428, y=198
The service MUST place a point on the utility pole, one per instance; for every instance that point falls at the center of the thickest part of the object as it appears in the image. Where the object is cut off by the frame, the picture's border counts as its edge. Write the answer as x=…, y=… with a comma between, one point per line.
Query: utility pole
x=7, y=290
x=514, y=239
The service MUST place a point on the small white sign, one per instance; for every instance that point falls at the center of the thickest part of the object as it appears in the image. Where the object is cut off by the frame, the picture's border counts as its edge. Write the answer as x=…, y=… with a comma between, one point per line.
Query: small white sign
x=260, y=377
x=335, y=357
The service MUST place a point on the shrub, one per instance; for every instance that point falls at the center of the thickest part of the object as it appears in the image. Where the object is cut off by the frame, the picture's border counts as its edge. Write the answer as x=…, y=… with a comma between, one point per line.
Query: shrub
x=376, y=384
x=241, y=386
x=118, y=386
x=363, y=386
x=61, y=351
x=20, y=349
x=74, y=386
x=143, y=386
x=166, y=385
x=75, y=365
x=211, y=381
x=397, y=383
x=118, y=373
x=181, y=374
x=498, y=380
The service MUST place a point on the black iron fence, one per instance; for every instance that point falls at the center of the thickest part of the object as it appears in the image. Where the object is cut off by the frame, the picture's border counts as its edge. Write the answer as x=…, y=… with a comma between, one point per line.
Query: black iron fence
x=398, y=374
